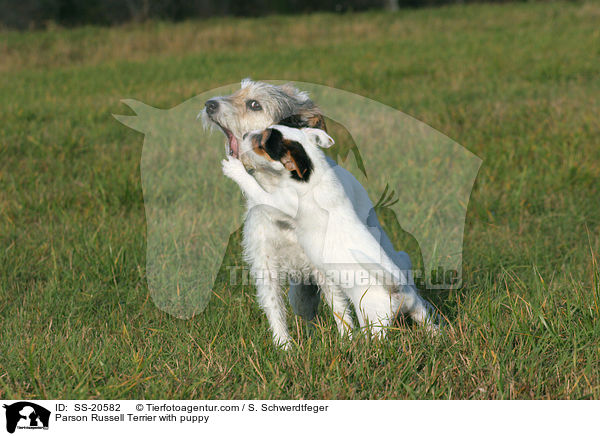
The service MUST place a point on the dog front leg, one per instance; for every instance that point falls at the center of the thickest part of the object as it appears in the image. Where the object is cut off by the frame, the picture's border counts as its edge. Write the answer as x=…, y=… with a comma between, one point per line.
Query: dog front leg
x=261, y=254
x=270, y=299
x=234, y=169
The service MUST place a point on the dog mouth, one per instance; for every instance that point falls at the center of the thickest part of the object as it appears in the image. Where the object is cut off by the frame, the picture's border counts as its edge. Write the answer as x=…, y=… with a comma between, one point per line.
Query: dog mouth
x=232, y=147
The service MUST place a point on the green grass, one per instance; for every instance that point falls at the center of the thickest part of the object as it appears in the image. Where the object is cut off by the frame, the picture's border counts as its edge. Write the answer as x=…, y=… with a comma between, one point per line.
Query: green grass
x=516, y=84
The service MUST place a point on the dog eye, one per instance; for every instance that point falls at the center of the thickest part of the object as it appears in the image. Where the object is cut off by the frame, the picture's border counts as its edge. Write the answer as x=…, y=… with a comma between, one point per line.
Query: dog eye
x=253, y=105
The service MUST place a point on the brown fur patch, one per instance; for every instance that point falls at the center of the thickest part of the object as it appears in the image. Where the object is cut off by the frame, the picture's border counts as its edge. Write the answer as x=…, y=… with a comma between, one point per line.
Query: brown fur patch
x=317, y=121
x=290, y=164
x=238, y=98
x=289, y=161
x=262, y=152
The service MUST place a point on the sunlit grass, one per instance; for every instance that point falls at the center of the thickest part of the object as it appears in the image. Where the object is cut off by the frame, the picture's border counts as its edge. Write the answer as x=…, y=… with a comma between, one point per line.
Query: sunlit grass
x=516, y=84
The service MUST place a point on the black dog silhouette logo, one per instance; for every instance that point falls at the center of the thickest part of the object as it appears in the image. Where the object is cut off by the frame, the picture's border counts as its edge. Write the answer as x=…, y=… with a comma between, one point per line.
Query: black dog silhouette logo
x=26, y=415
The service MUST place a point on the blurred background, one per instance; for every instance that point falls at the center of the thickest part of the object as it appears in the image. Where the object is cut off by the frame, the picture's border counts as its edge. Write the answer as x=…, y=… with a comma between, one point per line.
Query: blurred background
x=38, y=13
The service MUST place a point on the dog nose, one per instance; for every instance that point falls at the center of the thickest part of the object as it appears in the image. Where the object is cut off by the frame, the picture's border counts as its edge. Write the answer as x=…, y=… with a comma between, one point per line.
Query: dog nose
x=244, y=136
x=212, y=106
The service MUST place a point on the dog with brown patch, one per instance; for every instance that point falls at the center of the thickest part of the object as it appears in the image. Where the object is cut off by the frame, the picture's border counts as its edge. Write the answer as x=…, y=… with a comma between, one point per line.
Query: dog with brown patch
x=345, y=256
x=270, y=242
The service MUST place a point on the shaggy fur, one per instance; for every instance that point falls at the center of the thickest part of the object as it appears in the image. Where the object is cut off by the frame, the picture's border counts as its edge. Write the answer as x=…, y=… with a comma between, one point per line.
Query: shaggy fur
x=234, y=116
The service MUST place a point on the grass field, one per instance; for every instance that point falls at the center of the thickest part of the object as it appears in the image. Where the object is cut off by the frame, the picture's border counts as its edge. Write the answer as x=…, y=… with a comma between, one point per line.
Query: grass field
x=516, y=84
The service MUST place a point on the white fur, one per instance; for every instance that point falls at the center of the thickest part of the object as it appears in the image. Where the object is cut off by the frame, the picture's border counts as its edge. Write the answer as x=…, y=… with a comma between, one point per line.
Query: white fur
x=342, y=245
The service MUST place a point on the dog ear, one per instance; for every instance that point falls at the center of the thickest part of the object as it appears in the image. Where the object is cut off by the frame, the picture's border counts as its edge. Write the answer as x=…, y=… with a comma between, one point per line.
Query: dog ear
x=297, y=161
x=319, y=137
x=305, y=118
x=305, y=112
x=311, y=116
x=316, y=121
x=290, y=164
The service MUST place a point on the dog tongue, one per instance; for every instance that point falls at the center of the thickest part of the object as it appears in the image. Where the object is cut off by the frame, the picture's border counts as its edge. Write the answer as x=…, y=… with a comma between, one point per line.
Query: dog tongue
x=233, y=145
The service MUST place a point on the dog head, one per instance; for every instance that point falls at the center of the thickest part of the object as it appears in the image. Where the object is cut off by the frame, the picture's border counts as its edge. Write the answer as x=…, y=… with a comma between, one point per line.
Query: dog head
x=256, y=106
x=280, y=148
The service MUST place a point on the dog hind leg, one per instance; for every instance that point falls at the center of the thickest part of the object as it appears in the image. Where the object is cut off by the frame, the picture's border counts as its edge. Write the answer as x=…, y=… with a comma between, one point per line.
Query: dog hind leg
x=375, y=309
x=339, y=305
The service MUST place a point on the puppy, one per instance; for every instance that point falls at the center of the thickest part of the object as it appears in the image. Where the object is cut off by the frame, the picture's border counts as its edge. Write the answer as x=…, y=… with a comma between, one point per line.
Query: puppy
x=306, y=192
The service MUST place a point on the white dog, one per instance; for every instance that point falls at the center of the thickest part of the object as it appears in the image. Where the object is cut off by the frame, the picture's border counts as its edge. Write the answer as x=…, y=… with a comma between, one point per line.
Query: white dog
x=309, y=196
x=269, y=239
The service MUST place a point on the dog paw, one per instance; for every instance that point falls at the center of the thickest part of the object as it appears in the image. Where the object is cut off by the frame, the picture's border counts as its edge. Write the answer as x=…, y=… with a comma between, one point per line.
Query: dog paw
x=283, y=343
x=233, y=168
x=433, y=330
